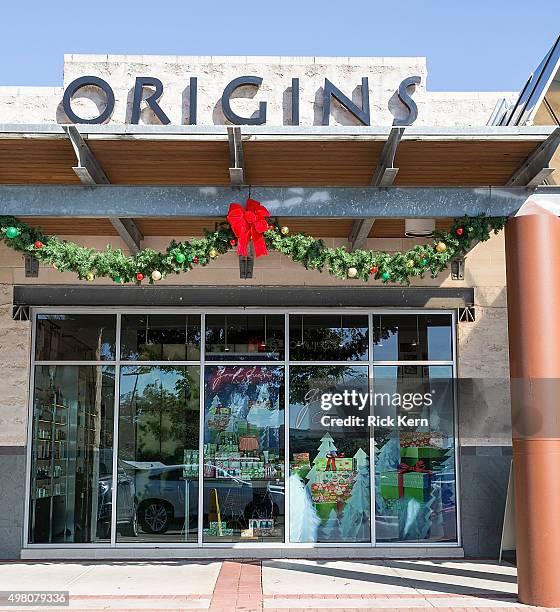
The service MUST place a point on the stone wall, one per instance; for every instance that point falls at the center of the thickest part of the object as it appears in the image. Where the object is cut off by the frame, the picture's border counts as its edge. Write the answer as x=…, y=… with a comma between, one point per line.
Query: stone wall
x=15, y=351
x=43, y=105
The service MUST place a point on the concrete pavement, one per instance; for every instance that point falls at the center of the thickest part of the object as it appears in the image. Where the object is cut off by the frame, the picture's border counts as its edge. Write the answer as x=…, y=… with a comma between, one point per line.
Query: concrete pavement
x=267, y=586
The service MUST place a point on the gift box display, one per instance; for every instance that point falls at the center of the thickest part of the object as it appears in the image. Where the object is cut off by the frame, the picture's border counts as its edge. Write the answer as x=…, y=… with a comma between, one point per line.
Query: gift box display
x=407, y=482
x=217, y=528
x=218, y=416
x=391, y=485
x=300, y=464
x=190, y=461
x=417, y=485
x=332, y=486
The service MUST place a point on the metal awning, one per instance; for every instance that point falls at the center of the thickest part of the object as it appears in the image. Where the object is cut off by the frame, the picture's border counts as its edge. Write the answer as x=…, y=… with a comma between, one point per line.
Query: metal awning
x=285, y=156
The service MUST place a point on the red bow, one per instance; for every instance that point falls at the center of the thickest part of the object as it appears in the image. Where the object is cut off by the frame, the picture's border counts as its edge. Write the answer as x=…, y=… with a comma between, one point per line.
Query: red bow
x=249, y=224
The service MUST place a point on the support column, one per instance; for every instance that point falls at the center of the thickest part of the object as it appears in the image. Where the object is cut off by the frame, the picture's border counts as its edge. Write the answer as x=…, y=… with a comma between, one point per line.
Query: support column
x=533, y=293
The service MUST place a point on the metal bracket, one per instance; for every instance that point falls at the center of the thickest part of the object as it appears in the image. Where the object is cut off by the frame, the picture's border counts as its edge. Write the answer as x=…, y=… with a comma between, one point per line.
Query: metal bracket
x=384, y=176
x=246, y=264
x=536, y=167
x=467, y=314
x=90, y=172
x=129, y=232
x=21, y=313
x=31, y=267
x=458, y=269
x=236, y=160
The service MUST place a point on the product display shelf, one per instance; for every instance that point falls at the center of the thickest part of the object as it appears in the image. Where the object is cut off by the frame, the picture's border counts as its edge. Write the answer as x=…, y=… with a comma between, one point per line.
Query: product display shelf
x=50, y=458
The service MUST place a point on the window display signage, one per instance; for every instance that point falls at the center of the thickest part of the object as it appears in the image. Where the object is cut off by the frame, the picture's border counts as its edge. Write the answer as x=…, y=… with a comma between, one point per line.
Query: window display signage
x=194, y=429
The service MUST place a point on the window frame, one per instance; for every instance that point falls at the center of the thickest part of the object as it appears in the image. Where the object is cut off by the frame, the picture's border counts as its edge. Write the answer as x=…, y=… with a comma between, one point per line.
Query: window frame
x=286, y=362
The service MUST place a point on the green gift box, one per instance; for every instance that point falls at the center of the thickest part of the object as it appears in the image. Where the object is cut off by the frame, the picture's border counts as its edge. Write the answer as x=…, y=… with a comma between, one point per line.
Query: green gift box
x=391, y=485
x=320, y=464
x=417, y=485
x=421, y=452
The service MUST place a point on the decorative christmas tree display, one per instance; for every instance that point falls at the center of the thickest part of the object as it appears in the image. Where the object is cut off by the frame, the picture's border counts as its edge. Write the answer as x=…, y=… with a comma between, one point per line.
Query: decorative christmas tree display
x=361, y=458
x=330, y=531
x=355, y=525
x=327, y=446
x=387, y=458
x=304, y=521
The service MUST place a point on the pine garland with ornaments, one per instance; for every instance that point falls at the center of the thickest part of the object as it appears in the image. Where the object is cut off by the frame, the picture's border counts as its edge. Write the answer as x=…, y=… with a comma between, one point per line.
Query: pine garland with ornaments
x=244, y=225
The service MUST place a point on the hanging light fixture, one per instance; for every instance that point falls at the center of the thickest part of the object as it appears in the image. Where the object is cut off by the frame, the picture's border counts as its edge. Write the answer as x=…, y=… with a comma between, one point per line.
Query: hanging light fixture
x=419, y=228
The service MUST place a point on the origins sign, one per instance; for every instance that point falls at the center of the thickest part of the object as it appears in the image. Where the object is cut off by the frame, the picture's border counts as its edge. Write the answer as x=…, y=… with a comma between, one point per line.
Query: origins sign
x=147, y=91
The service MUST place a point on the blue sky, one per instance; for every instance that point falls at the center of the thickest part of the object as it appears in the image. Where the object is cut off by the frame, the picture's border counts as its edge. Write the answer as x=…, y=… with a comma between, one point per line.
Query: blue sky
x=471, y=45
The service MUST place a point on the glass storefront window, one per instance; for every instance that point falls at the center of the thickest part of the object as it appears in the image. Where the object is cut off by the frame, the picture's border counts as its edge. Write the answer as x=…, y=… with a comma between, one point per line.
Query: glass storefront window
x=158, y=452
x=329, y=463
x=160, y=337
x=415, y=495
x=158, y=489
x=328, y=337
x=240, y=337
x=244, y=454
x=75, y=337
x=412, y=337
x=71, y=454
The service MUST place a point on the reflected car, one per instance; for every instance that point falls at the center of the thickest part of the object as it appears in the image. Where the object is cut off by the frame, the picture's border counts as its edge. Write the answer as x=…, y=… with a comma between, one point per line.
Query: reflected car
x=162, y=499
x=127, y=514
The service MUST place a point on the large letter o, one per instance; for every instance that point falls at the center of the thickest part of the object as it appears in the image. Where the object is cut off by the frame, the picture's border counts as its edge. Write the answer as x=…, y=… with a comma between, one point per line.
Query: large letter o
x=88, y=81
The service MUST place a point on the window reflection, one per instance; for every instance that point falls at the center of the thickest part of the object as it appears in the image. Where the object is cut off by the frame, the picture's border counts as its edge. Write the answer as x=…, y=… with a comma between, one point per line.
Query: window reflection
x=75, y=337
x=240, y=337
x=158, y=449
x=415, y=465
x=244, y=454
x=160, y=337
x=329, y=466
x=71, y=470
x=328, y=337
x=412, y=337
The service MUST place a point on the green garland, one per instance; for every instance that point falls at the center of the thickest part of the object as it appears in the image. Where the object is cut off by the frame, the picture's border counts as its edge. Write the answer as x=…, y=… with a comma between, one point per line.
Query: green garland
x=179, y=257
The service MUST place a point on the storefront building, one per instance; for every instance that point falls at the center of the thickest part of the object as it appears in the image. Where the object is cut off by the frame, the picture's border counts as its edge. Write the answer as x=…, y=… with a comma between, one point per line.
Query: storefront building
x=187, y=417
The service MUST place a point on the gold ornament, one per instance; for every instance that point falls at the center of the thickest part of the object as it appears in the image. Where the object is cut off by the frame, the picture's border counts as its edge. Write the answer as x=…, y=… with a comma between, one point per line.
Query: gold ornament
x=156, y=275
x=55, y=266
x=213, y=253
x=440, y=247
x=285, y=230
x=409, y=263
x=352, y=272
x=90, y=276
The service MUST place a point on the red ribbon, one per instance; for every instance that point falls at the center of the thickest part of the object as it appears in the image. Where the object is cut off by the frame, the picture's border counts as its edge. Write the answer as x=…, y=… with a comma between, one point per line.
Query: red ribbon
x=249, y=224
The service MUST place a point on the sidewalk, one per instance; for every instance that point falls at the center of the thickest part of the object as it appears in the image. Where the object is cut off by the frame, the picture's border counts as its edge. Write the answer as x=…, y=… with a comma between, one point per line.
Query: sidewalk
x=269, y=586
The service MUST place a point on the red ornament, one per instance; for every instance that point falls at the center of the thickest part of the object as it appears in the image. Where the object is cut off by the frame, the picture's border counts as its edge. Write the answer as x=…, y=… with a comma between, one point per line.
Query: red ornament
x=374, y=269
x=271, y=227
x=139, y=276
x=233, y=242
x=38, y=244
x=459, y=231
x=247, y=224
x=195, y=259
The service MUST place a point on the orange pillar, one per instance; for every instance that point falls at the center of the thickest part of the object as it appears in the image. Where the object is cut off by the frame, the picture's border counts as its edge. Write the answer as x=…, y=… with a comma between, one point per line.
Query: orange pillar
x=533, y=295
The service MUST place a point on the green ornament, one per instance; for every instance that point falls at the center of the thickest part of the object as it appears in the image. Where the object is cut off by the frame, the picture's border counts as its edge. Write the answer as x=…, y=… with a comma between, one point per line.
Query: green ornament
x=118, y=279
x=424, y=262
x=12, y=232
x=190, y=258
x=386, y=276
x=180, y=258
